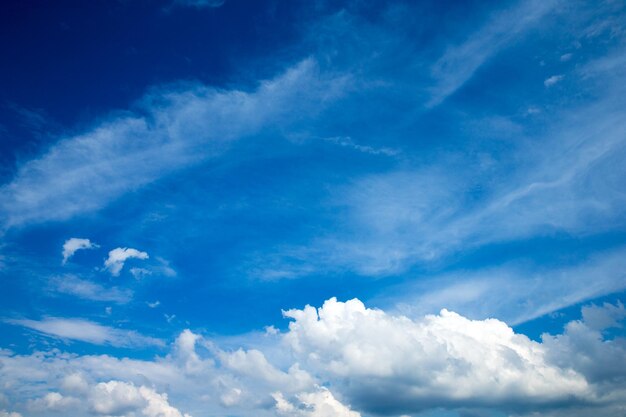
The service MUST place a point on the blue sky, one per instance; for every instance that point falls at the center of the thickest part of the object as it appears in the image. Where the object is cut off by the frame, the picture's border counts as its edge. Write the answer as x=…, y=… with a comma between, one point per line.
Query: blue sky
x=312, y=208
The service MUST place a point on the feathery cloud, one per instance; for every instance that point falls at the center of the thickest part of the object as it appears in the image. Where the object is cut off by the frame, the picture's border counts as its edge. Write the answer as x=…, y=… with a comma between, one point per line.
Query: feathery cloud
x=86, y=331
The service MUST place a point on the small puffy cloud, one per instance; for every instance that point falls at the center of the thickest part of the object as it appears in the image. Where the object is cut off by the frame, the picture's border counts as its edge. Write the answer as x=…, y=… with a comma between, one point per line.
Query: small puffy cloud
x=550, y=81
x=75, y=244
x=566, y=57
x=320, y=403
x=86, y=331
x=253, y=364
x=117, y=257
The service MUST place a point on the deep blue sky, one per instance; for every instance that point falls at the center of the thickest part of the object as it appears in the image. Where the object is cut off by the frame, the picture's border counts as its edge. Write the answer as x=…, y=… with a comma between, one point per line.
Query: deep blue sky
x=209, y=165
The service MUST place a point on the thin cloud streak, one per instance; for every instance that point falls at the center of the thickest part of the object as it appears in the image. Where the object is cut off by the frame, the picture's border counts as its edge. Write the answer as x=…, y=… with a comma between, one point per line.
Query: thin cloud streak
x=459, y=63
x=87, y=290
x=86, y=331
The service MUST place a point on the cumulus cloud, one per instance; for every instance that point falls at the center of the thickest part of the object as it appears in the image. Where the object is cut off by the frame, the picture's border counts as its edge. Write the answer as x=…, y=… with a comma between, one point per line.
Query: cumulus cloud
x=75, y=244
x=344, y=359
x=53, y=401
x=86, y=331
x=500, y=291
x=320, y=403
x=115, y=262
x=445, y=359
x=125, y=399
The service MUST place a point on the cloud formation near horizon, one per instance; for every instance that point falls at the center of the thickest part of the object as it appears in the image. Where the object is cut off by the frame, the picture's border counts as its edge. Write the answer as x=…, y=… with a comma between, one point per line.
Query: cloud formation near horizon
x=375, y=362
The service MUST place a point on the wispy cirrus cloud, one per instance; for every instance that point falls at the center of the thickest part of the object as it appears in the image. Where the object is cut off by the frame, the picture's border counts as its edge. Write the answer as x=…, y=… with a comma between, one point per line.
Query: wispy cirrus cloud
x=86, y=331
x=556, y=181
x=500, y=291
x=459, y=63
x=173, y=128
x=88, y=290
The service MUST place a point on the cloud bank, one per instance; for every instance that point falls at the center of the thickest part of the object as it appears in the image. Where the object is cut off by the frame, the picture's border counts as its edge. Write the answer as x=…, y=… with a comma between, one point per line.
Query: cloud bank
x=344, y=359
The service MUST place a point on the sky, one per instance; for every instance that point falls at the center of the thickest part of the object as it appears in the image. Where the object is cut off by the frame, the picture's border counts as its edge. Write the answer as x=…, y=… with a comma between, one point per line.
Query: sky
x=359, y=208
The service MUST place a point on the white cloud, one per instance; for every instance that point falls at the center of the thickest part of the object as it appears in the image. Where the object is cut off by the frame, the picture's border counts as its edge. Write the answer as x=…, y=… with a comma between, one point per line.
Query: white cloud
x=125, y=399
x=320, y=403
x=53, y=401
x=404, y=365
x=139, y=273
x=86, y=331
x=75, y=244
x=115, y=262
x=550, y=81
x=460, y=62
x=4, y=413
x=173, y=128
x=72, y=285
x=376, y=362
x=347, y=142
x=501, y=290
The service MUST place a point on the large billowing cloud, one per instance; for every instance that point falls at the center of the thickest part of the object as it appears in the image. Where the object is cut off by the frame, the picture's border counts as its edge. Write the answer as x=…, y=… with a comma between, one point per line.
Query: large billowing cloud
x=391, y=363
x=343, y=359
